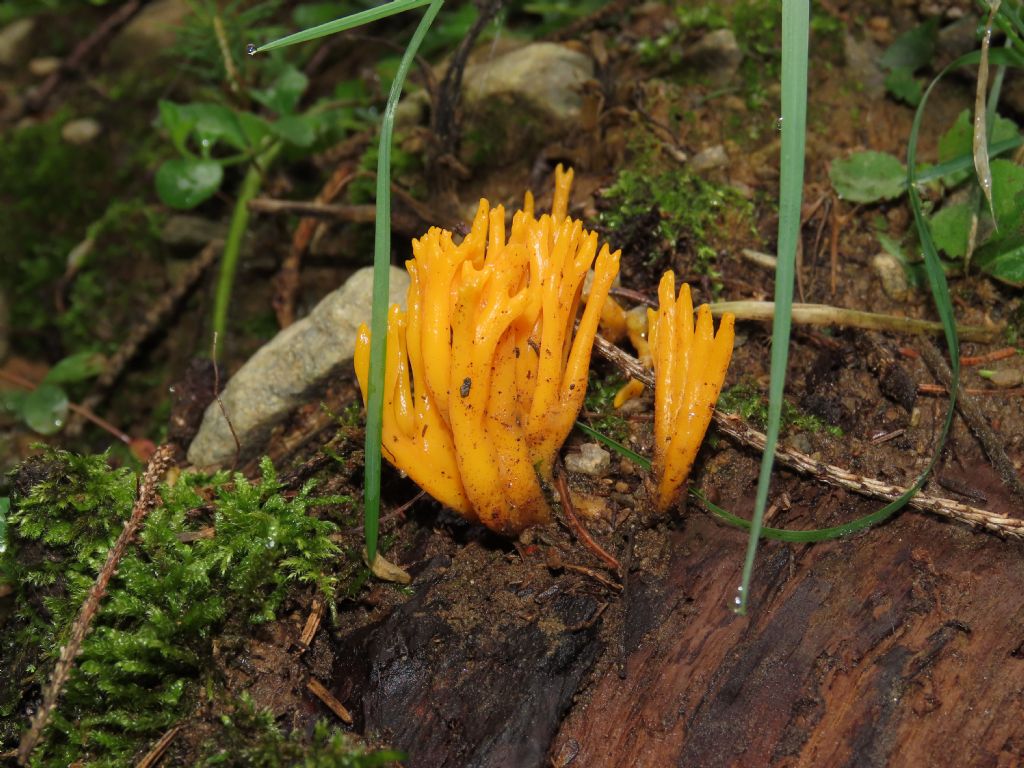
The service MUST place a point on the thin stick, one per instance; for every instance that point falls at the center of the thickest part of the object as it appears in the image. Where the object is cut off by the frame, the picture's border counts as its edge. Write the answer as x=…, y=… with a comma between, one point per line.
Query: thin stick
x=312, y=624
x=582, y=533
x=162, y=460
x=830, y=474
x=153, y=756
x=220, y=403
x=153, y=322
x=82, y=51
x=286, y=281
x=823, y=314
x=330, y=700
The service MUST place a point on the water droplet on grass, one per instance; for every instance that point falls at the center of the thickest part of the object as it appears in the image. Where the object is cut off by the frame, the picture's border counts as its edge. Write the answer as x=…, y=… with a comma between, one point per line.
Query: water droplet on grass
x=251, y=49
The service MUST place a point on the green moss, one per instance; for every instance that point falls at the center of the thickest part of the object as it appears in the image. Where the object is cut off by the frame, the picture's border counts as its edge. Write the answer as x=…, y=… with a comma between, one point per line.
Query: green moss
x=599, y=403
x=677, y=205
x=751, y=404
x=140, y=667
x=250, y=738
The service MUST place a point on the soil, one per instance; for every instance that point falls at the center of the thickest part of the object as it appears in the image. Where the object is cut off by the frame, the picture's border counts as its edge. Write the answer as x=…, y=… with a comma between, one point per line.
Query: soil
x=900, y=645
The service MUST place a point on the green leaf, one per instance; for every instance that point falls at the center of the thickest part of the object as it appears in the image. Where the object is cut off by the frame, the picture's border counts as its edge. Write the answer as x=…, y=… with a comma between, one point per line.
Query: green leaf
x=950, y=229
x=45, y=409
x=314, y=14
x=1003, y=259
x=902, y=85
x=299, y=130
x=958, y=141
x=77, y=367
x=184, y=183
x=341, y=25
x=912, y=49
x=1007, y=195
x=178, y=122
x=284, y=93
x=214, y=123
x=867, y=177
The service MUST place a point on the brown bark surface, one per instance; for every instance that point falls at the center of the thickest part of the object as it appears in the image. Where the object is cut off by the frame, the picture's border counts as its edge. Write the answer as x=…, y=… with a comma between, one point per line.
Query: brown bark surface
x=904, y=646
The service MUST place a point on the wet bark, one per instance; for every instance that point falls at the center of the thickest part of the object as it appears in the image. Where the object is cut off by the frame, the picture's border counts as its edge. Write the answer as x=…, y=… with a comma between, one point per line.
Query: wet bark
x=904, y=646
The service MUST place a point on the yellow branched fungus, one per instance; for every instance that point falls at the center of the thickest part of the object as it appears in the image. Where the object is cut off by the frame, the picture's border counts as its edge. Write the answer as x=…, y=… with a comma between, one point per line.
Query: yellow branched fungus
x=690, y=363
x=498, y=374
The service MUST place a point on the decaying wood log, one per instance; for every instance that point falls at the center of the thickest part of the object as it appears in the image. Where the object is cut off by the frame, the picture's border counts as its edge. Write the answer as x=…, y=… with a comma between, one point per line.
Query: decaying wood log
x=901, y=646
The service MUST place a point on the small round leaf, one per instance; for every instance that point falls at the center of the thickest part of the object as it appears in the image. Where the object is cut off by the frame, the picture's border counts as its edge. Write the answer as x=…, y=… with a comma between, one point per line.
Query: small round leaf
x=45, y=409
x=184, y=183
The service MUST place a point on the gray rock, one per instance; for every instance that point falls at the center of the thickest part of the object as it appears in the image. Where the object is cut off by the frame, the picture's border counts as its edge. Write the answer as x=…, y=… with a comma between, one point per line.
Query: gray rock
x=709, y=159
x=591, y=460
x=14, y=42
x=282, y=374
x=538, y=84
x=892, y=275
x=956, y=39
x=185, y=230
x=862, y=65
x=80, y=131
x=149, y=34
x=44, y=66
x=717, y=54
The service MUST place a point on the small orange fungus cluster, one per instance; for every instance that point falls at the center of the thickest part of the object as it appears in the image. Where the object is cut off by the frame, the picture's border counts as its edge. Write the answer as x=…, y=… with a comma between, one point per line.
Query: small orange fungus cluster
x=486, y=369
x=690, y=362
x=485, y=375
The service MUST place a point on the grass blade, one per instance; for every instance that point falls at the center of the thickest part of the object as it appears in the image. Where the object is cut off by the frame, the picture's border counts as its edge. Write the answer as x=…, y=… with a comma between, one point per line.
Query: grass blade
x=381, y=288
x=341, y=25
x=795, y=35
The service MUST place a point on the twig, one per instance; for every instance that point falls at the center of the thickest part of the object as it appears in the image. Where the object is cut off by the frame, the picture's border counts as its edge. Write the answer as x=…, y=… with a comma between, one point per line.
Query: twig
x=990, y=357
x=83, y=51
x=153, y=322
x=286, y=281
x=161, y=461
x=153, y=756
x=80, y=410
x=357, y=214
x=220, y=403
x=329, y=699
x=975, y=419
x=830, y=474
x=234, y=81
x=316, y=614
x=605, y=582
x=582, y=533
x=938, y=389
x=823, y=314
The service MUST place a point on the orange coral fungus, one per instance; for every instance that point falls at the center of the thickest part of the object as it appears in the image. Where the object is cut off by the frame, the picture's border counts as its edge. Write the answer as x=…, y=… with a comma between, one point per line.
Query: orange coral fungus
x=690, y=363
x=498, y=373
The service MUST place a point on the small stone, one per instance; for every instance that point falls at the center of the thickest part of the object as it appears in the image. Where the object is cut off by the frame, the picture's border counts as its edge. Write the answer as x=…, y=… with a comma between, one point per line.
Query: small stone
x=862, y=65
x=287, y=369
x=717, y=54
x=185, y=230
x=44, y=65
x=892, y=275
x=14, y=42
x=801, y=443
x=592, y=460
x=1004, y=378
x=80, y=131
x=709, y=159
x=621, y=487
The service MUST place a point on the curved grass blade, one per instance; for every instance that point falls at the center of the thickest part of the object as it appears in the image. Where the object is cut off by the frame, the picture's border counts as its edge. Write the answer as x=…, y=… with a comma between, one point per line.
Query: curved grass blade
x=341, y=25
x=381, y=265
x=795, y=36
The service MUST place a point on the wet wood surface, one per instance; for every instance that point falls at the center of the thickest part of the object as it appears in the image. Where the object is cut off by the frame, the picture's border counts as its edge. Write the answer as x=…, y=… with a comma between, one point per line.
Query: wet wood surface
x=903, y=646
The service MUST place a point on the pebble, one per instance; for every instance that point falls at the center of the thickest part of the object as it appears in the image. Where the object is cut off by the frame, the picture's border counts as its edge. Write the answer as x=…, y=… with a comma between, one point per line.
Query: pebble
x=591, y=460
x=709, y=159
x=15, y=39
x=892, y=276
x=44, y=66
x=80, y=131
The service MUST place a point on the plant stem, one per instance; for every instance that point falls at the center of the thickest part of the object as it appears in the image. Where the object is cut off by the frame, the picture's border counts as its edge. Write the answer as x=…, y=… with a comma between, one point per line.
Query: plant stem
x=233, y=245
